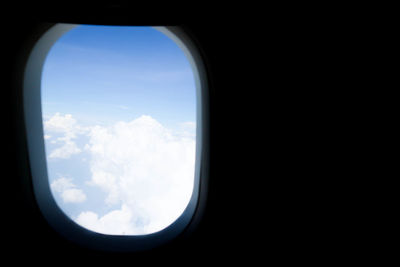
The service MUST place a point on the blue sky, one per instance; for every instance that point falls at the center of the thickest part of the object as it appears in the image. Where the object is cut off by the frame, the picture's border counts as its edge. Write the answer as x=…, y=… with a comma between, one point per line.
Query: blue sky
x=119, y=113
x=105, y=71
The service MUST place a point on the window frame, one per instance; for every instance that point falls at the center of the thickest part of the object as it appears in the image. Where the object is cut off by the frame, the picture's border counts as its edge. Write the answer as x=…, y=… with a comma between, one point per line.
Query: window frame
x=53, y=214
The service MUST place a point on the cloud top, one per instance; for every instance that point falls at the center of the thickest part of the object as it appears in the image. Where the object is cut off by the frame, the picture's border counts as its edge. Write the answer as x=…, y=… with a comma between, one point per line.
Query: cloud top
x=145, y=168
x=67, y=127
x=144, y=171
x=68, y=190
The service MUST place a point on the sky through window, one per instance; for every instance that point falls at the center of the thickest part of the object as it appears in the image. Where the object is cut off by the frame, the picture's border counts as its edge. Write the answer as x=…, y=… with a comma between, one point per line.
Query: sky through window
x=119, y=117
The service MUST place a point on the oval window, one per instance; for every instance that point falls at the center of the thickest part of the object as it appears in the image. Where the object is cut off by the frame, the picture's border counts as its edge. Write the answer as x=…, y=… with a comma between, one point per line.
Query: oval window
x=119, y=117
x=116, y=134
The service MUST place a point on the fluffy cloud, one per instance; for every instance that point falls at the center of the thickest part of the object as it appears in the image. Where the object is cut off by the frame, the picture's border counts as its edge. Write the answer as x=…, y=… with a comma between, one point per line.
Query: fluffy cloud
x=61, y=124
x=117, y=222
x=67, y=127
x=187, y=129
x=145, y=169
x=66, y=150
x=68, y=191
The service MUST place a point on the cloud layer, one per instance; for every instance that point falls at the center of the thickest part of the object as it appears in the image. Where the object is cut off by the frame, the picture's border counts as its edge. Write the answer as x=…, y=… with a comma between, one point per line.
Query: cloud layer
x=145, y=170
x=67, y=127
x=68, y=191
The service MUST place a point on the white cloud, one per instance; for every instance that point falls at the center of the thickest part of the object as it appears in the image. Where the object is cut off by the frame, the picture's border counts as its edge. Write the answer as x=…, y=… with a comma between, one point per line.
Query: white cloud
x=61, y=124
x=144, y=168
x=62, y=184
x=68, y=191
x=65, y=151
x=190, y=125
x=69, y=129
x=123, y=107
x=73, y=195
x=187, y=129
x=116, y=222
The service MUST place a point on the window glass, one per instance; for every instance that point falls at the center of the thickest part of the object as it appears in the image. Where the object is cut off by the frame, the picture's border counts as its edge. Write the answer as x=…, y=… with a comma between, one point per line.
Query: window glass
x=119, y=119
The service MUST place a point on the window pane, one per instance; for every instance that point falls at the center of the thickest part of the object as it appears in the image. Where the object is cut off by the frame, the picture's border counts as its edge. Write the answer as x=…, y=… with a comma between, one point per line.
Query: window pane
x=119, y=117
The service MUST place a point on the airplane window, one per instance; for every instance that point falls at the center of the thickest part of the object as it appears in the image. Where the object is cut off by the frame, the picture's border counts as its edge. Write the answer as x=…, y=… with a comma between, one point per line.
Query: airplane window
x=119, y=120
